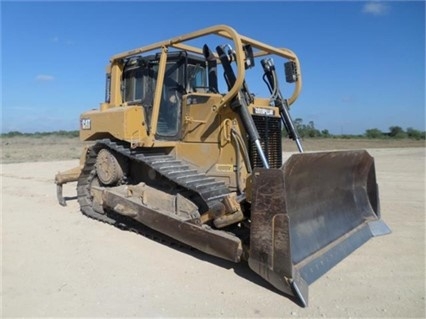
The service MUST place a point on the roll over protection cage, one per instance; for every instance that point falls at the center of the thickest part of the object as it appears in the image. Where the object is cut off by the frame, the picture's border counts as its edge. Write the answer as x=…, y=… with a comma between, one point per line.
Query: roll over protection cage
x=115, y=68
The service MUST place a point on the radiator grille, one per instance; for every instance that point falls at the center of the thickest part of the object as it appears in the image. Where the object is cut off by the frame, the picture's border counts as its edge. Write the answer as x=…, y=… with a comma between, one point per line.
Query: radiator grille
x=269, y=129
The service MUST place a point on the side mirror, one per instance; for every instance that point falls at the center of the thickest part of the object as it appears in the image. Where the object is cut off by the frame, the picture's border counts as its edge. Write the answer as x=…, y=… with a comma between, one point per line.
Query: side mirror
x=249, y=62
x=290, y=72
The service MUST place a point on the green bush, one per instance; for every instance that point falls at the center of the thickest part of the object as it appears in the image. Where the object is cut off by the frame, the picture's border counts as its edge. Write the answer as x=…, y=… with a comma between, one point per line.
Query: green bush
x=415, y=134
x=374, y=133
x=397, y=132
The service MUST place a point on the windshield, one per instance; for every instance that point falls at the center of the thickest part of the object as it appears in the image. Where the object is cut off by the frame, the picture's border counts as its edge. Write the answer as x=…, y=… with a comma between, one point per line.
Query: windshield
x=196, y=78
x=170, y=107
x=139, y=81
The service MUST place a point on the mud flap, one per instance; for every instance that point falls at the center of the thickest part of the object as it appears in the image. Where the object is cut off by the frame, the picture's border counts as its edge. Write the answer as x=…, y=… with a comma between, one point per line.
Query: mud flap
x=310, y=214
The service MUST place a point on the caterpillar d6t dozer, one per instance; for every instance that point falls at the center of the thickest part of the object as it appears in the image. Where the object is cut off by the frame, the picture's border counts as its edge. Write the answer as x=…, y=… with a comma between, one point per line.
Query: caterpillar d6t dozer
x=182, y=146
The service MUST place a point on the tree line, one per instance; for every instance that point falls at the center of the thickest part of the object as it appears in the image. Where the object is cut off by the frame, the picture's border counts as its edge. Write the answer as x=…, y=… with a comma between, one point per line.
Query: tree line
x=62, y=133
x=305, y=131
x=309, y=131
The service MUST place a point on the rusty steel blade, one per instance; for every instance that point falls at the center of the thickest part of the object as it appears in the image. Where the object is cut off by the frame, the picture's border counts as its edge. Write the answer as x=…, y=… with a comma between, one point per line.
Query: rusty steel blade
x=310, y=214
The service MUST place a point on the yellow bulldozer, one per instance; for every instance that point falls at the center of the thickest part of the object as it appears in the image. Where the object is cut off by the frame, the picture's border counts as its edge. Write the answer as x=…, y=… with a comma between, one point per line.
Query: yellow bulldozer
x=182, y=146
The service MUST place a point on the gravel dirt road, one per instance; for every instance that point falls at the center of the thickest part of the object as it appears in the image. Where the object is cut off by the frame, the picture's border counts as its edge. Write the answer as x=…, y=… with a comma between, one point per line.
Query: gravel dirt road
x=58, y=263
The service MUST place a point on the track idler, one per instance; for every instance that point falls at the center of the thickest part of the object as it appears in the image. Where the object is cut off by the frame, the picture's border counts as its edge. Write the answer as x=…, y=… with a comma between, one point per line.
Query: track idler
x=310, y=214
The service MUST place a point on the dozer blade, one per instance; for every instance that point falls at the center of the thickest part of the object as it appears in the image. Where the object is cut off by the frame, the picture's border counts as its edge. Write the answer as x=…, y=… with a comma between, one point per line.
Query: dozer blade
x=310, y=214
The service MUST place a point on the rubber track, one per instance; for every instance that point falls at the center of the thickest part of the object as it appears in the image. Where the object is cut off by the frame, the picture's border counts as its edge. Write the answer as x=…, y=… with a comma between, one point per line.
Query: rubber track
x=165, y=165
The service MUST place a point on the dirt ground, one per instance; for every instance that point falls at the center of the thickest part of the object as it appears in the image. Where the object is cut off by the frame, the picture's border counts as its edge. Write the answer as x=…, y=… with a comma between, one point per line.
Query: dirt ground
x=58, y=263
x=21, y=149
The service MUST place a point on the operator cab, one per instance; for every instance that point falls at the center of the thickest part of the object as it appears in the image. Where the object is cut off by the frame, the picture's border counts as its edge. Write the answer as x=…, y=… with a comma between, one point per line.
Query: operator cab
x=184, y=74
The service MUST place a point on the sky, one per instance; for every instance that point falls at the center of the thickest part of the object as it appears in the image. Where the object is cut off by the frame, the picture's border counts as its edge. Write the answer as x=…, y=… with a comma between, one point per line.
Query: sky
x=363, y=62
